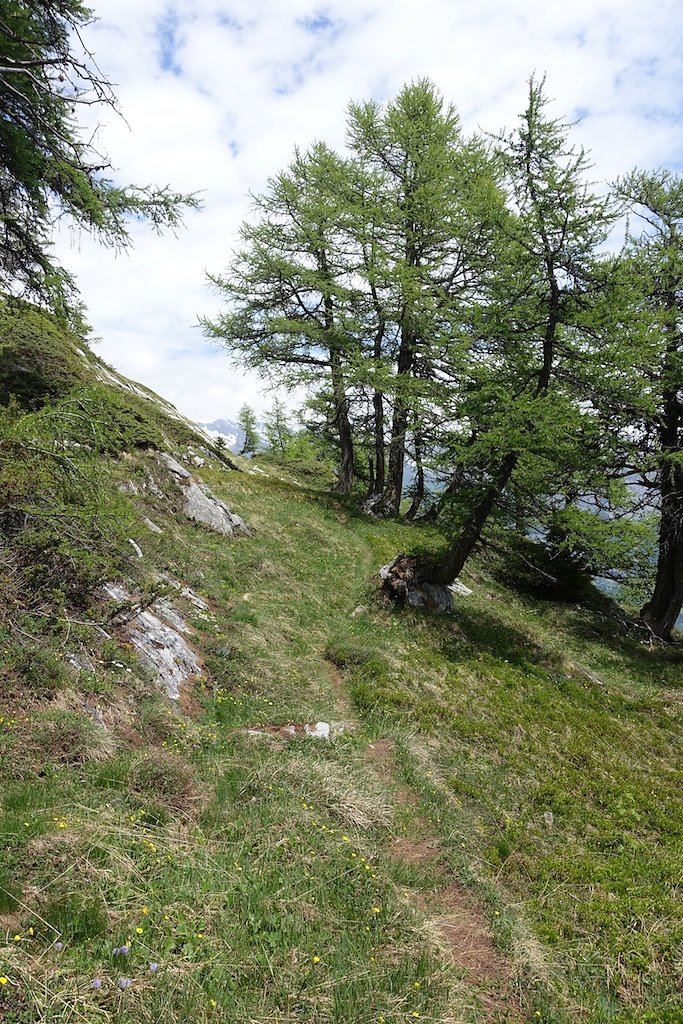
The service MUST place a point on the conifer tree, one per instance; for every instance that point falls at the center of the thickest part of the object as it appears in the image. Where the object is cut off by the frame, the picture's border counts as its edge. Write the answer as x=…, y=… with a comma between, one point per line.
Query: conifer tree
x=247, y=421
x=530, y=334
x=289, y=290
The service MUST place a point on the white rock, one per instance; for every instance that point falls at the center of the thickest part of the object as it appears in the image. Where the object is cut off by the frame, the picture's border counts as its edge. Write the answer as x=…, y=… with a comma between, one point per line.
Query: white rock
x=459, y=588
x=135, y=547
x=319, y=731
x=198, y=461
x=174, y=466
x=158, y=644
x=202, y=506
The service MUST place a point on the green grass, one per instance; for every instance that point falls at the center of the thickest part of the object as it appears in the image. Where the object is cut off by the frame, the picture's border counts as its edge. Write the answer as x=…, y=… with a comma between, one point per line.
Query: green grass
x=535, y=746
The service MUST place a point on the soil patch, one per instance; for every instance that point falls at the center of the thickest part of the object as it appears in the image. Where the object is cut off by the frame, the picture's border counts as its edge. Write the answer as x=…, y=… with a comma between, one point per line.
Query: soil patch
x=381, y=752
x=466, y=933
x=421, y=852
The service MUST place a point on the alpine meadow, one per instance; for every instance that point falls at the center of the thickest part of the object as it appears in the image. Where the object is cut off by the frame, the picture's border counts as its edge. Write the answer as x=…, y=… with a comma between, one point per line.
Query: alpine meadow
x=367, y=712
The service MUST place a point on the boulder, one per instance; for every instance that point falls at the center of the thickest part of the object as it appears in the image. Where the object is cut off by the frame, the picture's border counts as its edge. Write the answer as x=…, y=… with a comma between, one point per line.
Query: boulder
x=201, y=504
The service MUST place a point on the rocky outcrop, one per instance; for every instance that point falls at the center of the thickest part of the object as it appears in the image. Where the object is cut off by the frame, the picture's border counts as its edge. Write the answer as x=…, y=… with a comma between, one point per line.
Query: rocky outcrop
x=200, y=504
x=155, y=633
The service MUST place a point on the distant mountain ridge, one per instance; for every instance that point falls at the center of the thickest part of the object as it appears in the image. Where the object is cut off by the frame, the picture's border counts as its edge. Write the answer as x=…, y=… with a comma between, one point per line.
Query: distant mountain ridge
x=232, y=433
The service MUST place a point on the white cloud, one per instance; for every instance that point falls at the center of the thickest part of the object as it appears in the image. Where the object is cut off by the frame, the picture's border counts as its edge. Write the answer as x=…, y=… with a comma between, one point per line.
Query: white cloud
x=222, y=127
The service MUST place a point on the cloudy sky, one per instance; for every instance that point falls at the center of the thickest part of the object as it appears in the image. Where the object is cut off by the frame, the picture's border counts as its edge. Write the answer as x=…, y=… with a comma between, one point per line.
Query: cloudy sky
x=216, y=95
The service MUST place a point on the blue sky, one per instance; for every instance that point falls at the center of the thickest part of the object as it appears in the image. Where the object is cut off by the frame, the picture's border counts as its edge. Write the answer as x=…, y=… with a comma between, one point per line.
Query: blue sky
x=216, y=96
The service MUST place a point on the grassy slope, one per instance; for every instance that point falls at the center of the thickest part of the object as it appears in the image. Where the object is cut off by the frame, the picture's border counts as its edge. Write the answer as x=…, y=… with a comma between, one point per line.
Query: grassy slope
x=303, y=881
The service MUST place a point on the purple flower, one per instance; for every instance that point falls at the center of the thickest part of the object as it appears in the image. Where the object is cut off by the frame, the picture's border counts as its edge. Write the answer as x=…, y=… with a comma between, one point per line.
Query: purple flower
x=96, y=983
x=59, y=946
x=153, y=968
x=120, y=951
x=125, y=983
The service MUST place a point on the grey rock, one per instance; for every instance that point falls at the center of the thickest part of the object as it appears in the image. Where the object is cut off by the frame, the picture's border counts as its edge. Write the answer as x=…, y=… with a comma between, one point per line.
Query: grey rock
x=80, y=661
x=198, y=461
x=94, y=712
x=195, y=599
x=155, y=634
x=319, y=731
x=202, y=506
x=128, y=487
x=549, y=819
x=151, y=526
x=430, y=595
x=174, y=466
x=153, y=487
x=360, y=610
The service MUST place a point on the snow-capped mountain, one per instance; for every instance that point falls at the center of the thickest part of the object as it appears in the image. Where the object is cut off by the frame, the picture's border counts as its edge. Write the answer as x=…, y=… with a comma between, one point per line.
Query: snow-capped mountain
x=232, y=433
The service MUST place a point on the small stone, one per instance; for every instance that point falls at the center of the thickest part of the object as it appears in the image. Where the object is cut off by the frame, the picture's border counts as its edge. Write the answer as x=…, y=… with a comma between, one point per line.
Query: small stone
x=135, y=547
x=549, y=818
x=459, y=588
x=360, y=610
x=319, y=731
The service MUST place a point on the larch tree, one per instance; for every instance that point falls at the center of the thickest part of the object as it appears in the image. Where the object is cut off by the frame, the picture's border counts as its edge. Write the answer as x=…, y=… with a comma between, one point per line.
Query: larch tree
x=520, y=411
x=247, y=421
x=427, y=244
x=290, y=291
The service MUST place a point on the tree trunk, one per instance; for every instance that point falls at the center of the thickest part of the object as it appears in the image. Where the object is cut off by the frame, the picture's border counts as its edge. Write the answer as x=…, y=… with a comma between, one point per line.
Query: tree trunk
x=380, y=470
x=399, y=425
x=419, y=490
x=341, y=418
x=450, y=567
x=664, y=607
x=371, y=479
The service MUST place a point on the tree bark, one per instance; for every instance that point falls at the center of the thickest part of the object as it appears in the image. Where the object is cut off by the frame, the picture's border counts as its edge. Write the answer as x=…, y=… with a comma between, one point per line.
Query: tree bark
x=450, y=567
x=399, y=426
x=380, y=469
x=341, y=416
x=419, y=490
x=664, y=607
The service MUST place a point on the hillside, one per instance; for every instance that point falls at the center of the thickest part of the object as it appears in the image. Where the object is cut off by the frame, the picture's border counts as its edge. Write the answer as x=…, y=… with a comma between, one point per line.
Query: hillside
x=241, y=786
